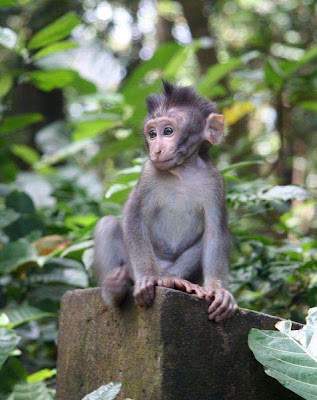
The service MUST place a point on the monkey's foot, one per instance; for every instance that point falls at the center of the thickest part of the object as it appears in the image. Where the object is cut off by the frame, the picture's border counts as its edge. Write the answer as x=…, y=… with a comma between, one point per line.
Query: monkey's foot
x=144, y=290
x=223, y=304
x=183, y=285
x=115, y=286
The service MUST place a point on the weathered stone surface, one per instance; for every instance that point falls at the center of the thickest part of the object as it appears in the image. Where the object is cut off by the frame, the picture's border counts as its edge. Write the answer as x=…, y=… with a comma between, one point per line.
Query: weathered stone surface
x=170, y=351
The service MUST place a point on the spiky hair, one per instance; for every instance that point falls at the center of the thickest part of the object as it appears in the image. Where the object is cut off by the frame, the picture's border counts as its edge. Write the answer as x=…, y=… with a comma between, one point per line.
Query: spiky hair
x=177, y=96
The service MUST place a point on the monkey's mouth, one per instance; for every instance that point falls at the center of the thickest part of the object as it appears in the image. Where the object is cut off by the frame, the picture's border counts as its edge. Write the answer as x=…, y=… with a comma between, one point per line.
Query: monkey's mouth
x=162, y=162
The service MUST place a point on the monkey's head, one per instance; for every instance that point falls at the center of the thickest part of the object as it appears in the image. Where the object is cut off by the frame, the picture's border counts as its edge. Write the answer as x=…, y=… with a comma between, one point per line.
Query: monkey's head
x=178, y=124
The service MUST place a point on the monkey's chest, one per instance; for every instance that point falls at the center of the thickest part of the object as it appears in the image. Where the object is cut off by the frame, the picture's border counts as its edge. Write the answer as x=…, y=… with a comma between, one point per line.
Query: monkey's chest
x=177, y=223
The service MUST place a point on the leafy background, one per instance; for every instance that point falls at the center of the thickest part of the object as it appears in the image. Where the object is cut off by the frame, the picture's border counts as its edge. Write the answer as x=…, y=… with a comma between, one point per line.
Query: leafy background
x=73, y=79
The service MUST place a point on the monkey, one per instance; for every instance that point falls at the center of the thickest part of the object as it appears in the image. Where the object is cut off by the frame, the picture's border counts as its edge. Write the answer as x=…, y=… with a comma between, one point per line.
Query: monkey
x=174, y=230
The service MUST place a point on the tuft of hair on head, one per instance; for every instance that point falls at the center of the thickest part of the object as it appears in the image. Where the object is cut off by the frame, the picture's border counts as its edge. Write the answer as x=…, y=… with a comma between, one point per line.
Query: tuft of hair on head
x=178, y=96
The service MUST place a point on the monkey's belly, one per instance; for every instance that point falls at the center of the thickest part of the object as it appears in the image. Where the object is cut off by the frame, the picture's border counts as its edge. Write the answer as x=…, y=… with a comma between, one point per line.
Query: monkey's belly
x=173, y=231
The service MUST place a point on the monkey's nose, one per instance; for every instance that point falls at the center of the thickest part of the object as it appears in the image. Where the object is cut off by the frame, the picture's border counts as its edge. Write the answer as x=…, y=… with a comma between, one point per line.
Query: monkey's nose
x=157, y=151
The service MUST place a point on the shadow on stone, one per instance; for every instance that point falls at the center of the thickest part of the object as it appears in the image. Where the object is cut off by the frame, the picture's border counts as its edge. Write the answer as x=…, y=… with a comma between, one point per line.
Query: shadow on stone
x=170, y=351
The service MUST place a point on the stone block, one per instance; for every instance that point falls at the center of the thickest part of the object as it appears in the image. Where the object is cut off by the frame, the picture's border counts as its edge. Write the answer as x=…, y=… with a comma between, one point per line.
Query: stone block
x=170, y=351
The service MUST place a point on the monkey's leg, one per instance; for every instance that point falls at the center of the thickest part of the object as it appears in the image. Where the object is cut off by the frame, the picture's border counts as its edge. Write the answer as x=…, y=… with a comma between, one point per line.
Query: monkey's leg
x=111, y=261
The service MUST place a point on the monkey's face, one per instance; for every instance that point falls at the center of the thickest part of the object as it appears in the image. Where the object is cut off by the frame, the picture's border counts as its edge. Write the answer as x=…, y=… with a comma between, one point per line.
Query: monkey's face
x=163, y=135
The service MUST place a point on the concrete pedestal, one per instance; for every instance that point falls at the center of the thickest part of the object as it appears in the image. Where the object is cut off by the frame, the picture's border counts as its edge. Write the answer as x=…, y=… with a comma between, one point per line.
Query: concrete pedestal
x=170, y=351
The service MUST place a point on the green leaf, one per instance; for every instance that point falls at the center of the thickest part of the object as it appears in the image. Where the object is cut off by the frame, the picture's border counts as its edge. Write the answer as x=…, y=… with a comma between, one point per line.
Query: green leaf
x=7, y=216
x=26, y=153
x=49, y=80
x=16, y=122
x=54, y=48
x=8, y=3
x=63, y=153
x=241, y=164
x=215, y=73
x=308, y=105
x=289, y=356
x=20, y=202
x=105, y=392
x=14, y=254
x=22, y=314
x=11, y=373
x=78, y=246
x=8, y=342
x=23, y=226
x=285, y=193
x=40, y=376
x=5, y=84
x=61, y=270
x=32, y=391
x=274, y=75
x=89, y=129
x=8, y=38
x=179, y=59
x=59, y=29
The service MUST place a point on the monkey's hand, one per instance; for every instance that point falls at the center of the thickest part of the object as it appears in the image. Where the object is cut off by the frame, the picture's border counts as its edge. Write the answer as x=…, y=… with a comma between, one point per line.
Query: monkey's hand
x=144, y=290
x=223, y=304
x=174, y=282
x=115, y=286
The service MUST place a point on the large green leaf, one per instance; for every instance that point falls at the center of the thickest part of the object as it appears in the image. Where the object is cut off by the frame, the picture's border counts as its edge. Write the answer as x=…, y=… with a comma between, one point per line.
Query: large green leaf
x=105, y=392
x=49, y=80
x=22, y=314
x=23, y=226
x=6, y=82
x=41, y=375
x=7, y=216
x=20, y=202
x=32, y=391
x=57, y=30
x=26, y=153
x=11, y=373
x=61, y=271
x=215, y=73
x=8, y=342
x=54, y=48
x=11, y=124
x=289, y=356
x=89, y=129
x=14, y=254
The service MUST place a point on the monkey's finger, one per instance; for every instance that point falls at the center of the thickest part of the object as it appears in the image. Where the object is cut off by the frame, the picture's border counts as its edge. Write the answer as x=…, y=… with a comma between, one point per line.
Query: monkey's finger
x=179, y=284
x=222, y=307
x=210, y=294
x=215, y=303
x=227, y=313
x=200, y=293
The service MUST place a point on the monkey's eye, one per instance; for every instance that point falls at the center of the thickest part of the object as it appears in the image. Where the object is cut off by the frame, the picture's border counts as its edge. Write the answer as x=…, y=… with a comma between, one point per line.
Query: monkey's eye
x=168, y=131
x=152, y=133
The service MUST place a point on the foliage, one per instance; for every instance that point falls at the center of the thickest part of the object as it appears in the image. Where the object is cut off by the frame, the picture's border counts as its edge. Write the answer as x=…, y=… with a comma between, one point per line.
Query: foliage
x=54, y=168
x=290, y=356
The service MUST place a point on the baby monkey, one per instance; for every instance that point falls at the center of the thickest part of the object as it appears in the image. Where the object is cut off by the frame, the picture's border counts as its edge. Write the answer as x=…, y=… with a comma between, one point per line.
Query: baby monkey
x=174, y=230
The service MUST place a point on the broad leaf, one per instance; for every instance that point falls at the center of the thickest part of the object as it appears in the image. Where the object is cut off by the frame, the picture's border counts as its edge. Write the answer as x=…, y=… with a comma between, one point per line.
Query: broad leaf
x=11, y=124
x=20, y=202
x=14, y=254
x=241, y=164
x=11, y=373
x=237, y=111
x=289, y=356
x=22, y=314
x=49, y=80
x=215, y=73
x=26, y=153
x=5, y=84
x=61, y=271
x=8, y=342
x=59, y=29
x=7, y=216
x=41, y=375
x=105, y=392
x=89, y=129
x=8, y=3
x=8, y=38
x=285, y=193
x=34, y=391
x=54, y=48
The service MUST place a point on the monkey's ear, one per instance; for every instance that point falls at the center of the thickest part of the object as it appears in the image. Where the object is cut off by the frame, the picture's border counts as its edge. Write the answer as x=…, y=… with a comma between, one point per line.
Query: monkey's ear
x=215, y=128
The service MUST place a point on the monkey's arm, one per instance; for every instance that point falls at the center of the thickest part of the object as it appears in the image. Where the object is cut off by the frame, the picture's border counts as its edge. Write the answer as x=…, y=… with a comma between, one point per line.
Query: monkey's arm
x=140, y=251
x=215, y=260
